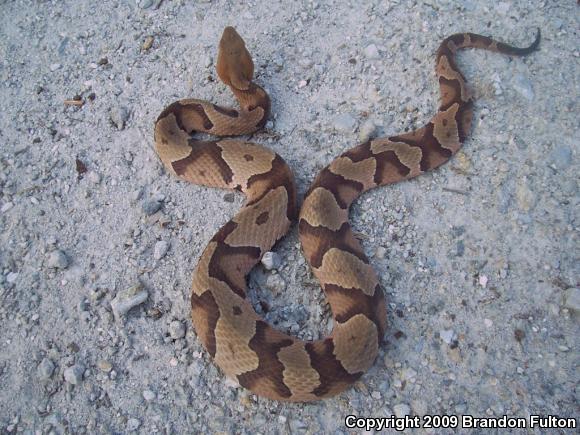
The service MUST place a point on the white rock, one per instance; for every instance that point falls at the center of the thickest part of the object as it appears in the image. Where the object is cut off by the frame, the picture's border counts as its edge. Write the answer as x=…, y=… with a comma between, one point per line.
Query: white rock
x=488, y=323
x=572, y=299
x=447, y=335
x=271, y=260
x=148, y=395
x=371, y=51
x=401, y=410
x=74, y=374
x=344, y=123
x=483, y=281
x=161, y=248
x=176, y=329
x=12, y=277
x=57, y=260
x=366, y=130
x=119, y=116
x=127, y=299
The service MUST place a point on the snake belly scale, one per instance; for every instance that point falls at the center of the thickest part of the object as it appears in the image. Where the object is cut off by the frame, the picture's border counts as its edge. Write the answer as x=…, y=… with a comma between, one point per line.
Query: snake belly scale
x=265, y=360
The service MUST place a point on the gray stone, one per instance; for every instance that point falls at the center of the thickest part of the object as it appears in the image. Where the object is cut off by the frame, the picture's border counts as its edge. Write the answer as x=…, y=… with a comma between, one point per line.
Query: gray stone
x=45, y=369
x=127, y=299
x=371, y=51
x=57, y=260
x=74, y=374
x=160, y=249
x=561, y=157
x=151, y=206
x=145, y=4
x=523, y=86
x=11, y=277
x=572, y=300
x=119, y=116
x=133, y=424
x=401, y=410
x=271, y=260
x=381, y=252
x=176, y=329
x=344, y=123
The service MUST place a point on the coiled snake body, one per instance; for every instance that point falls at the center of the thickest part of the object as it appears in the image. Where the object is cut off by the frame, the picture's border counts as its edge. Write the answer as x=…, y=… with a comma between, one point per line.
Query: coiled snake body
x=266, y=361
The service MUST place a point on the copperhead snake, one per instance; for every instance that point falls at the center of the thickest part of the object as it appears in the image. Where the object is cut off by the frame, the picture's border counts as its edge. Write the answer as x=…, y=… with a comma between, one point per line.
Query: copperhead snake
x=269, y=362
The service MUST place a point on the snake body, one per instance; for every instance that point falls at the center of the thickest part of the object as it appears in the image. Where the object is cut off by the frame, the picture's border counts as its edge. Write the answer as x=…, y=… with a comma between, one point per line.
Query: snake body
x=245, y=347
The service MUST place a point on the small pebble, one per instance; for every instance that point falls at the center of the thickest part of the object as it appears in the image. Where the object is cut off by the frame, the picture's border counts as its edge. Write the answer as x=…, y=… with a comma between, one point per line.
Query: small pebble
x=523, y=86
x=401, y=410
x=367, y=129
x=381, y=252
x=119, y=116
x=133, y=423
x=11, y=277
x=561, y=157
x=447, y=335
x=572, y=299
x=483, y=281
x=371, y=51
x=151, y=207
x=104, y=366
x=6, y=207
x=148, y=395
x=45, y=369
x=57, y=260
x=176, y=329
x=145, y=4
x=344, y=123
x=488, y=323
x=271, y=260
x=275, y=284
x=74, y=374
x=127, y=299
x=161, y=248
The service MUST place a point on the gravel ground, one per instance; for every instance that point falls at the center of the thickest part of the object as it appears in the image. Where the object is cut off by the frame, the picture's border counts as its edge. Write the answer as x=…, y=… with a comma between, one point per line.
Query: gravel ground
x=479, y=258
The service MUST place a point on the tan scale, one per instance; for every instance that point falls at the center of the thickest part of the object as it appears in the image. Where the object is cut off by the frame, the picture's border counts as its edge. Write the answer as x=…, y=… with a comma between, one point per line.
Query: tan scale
x=444, y=69
x=407, y=155
x=249, y=159
x=275, y=203
x=362, y=172
x=354, y=341
x=298, y=374
x=321, y=209
x=346, y=270
x=445, y=128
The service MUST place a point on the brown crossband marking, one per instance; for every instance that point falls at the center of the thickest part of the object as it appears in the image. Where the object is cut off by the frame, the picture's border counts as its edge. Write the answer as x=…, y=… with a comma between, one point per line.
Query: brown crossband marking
x=205, y=316
x=269, y=362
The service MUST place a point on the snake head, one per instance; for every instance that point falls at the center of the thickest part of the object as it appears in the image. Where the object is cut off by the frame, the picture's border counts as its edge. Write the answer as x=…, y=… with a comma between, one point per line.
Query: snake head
x=234, y=65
